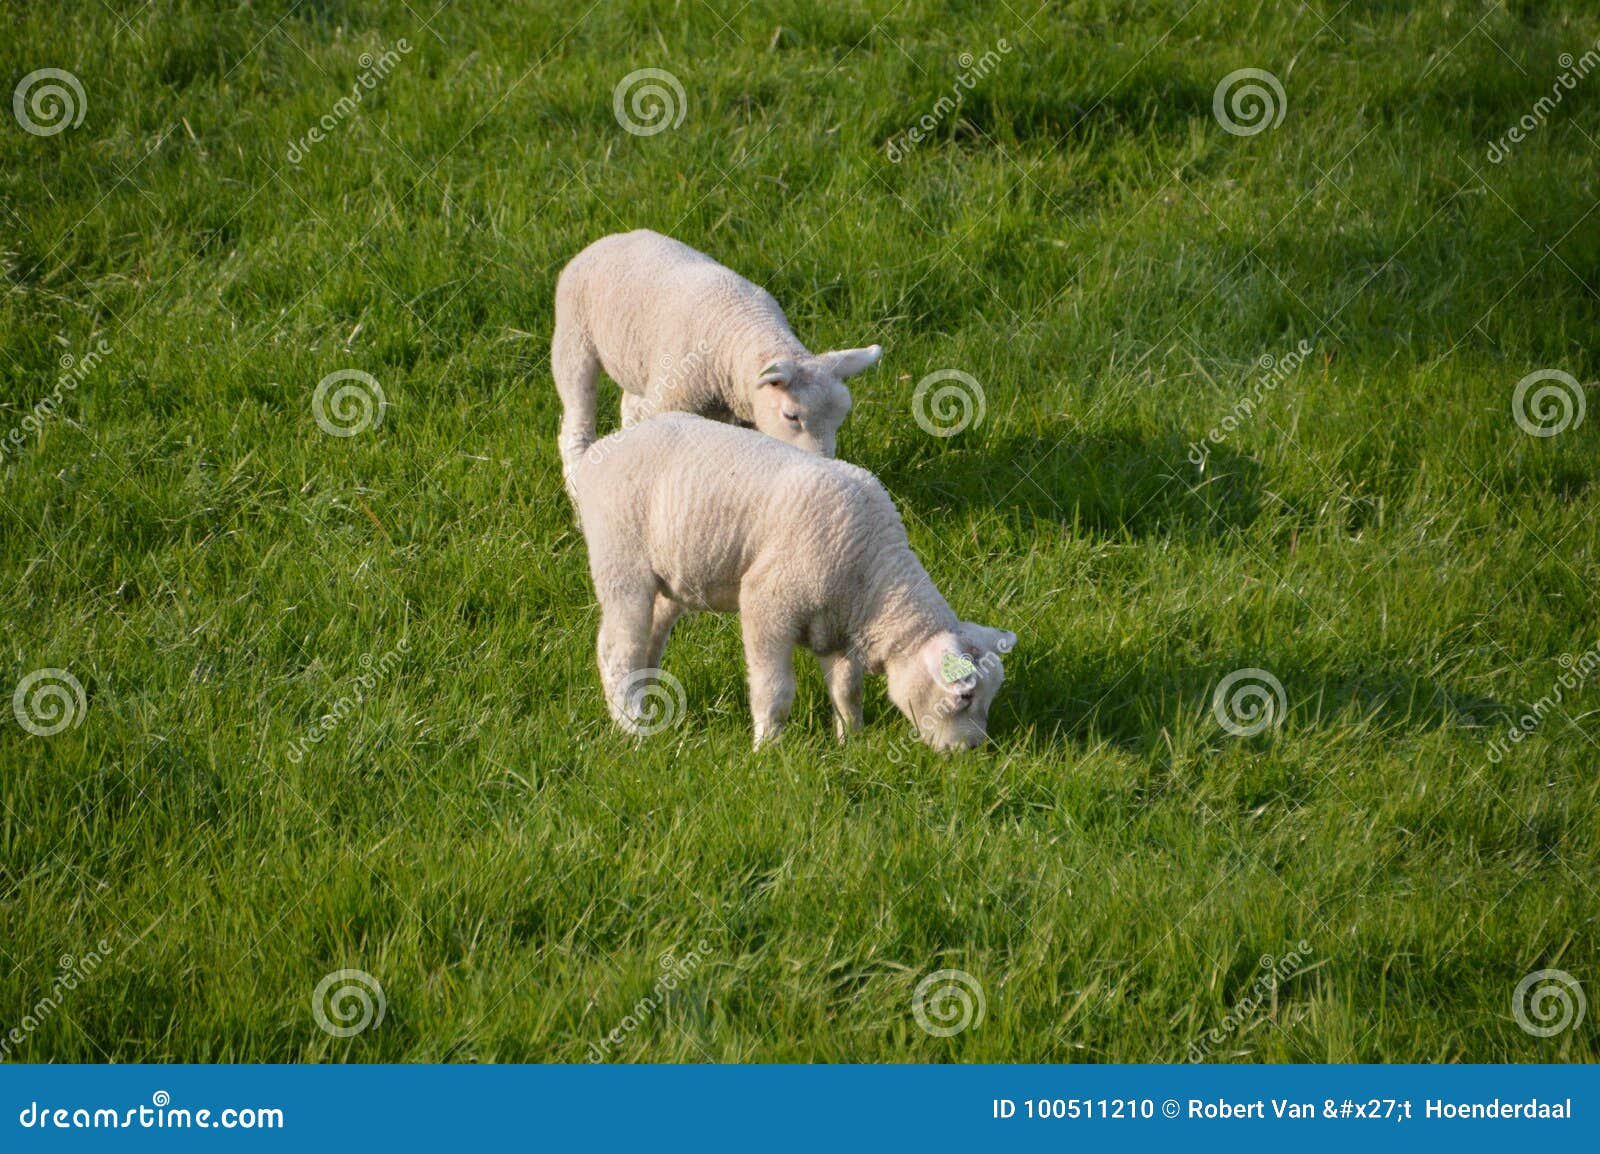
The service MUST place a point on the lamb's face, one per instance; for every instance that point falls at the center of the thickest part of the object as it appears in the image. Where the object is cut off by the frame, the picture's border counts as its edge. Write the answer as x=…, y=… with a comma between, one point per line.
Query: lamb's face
x=803, y=402
x=806, y=415
x=946, y=689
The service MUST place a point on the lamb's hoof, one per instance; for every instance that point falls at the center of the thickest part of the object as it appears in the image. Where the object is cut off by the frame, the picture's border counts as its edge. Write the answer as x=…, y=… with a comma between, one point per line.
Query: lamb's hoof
x=651, y=700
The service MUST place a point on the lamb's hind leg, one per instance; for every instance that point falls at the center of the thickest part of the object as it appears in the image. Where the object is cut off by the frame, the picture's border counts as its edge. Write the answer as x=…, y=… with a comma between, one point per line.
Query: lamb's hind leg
x=576, y=369
x=769, y=654
x=664, y=616
x=623, y=651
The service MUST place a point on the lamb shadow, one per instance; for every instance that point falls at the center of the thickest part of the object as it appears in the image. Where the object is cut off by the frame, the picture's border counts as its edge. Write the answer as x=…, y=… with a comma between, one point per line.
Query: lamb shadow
x=1096, y=697
x=1117, y=482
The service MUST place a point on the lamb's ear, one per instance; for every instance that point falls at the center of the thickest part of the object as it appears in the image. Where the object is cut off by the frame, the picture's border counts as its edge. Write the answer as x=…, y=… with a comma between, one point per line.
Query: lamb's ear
x=950, y=668
x=987, y=640
x=778, y=373
x=849, y=362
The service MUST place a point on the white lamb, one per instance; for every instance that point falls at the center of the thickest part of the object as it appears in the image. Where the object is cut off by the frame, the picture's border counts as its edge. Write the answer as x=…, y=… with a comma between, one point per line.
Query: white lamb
x=681, y=513
x=681, y=333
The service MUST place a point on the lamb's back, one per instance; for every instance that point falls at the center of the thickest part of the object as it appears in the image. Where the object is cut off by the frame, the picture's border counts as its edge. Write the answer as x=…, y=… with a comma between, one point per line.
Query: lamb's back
x=646, y=299
x=707, y=503
x=668, y=285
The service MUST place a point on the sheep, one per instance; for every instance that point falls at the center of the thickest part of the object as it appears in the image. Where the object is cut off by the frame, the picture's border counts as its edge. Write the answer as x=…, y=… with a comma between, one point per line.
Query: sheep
x=681, y=333
x=681, y=513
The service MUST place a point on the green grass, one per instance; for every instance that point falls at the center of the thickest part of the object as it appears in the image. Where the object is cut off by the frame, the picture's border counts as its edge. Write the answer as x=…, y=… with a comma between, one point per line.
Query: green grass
x=1086, y=241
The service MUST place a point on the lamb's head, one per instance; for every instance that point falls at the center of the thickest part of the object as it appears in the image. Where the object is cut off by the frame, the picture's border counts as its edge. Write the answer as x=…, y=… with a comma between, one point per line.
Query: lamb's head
x=804, y=401
x=946, y=687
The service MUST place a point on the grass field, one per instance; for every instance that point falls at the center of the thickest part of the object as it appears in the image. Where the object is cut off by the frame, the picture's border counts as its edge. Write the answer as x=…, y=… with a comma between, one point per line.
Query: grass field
x=1372, y=529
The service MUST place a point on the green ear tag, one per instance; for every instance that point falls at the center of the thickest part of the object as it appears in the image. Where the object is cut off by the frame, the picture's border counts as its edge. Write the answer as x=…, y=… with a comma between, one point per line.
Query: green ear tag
x=957, y=667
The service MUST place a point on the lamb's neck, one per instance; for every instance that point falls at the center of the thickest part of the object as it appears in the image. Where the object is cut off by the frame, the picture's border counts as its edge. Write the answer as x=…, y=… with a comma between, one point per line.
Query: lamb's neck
x=752, y=343
x=901, y=613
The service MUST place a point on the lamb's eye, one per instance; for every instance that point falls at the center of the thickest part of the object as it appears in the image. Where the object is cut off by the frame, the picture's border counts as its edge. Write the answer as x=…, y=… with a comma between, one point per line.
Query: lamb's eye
x=792, y=418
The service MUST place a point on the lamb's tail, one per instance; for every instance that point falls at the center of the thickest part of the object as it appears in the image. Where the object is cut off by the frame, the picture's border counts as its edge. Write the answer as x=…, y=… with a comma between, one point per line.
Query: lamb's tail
x=576, y=369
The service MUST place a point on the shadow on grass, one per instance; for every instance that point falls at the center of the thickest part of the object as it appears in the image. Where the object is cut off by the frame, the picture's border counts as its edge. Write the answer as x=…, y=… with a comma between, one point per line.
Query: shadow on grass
x=1095, y=697
x=1115, y=482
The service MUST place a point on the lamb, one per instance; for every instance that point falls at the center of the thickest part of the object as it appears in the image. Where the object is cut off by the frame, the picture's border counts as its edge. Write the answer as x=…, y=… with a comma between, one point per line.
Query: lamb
x=681, y=333
x=681, y=513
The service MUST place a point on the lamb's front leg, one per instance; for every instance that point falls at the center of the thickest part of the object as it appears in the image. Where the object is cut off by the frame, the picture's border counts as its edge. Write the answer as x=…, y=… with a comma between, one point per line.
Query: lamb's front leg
x=636, y=409
x=769, y=655
x=843, y=673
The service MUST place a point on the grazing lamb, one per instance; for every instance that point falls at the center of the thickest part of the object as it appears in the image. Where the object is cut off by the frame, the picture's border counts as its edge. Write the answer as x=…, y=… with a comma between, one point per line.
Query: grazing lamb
x=680, y=333
x=684, y=513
